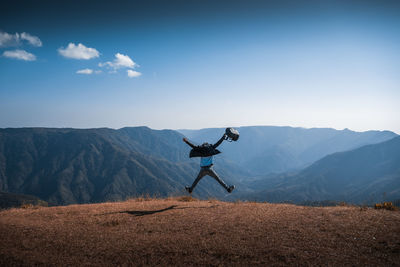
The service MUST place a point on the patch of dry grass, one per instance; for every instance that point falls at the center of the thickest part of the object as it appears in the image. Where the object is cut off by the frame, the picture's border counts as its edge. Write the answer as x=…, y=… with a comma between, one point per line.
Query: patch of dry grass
x=386, y=206
x=185, y=231
x=186, y=199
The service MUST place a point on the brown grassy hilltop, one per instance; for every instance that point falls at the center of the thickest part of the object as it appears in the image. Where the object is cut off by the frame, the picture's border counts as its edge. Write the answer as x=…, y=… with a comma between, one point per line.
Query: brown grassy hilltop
x=181, y=232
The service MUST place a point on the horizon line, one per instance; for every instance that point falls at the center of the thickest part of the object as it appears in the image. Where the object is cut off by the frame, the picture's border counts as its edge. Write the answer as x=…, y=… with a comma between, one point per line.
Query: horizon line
x=197, y=129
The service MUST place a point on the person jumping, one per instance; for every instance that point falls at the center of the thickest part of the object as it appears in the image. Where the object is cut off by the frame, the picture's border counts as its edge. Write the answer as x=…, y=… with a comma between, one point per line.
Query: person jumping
x=206, y=152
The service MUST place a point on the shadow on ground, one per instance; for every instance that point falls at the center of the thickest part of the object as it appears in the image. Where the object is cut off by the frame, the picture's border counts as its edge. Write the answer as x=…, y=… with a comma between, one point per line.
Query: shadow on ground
x=147, y=212
x=150, y=212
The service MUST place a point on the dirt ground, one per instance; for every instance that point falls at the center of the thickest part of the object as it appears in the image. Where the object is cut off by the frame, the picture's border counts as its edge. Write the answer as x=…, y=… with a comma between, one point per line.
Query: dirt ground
x=181, y=232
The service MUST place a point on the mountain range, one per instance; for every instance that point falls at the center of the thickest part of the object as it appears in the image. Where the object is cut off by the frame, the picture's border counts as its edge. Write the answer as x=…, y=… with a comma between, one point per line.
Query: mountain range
x=64, y=166
x=365, y=175
x=271, y=149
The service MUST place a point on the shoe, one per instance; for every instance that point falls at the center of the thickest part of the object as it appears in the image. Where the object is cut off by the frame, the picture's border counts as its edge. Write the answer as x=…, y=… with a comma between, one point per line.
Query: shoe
x=230, y=189
x=189, y=189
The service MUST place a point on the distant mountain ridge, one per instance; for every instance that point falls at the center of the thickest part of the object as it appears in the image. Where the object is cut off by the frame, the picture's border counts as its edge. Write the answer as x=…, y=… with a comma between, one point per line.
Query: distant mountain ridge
x=273, y=149
x=365, y=175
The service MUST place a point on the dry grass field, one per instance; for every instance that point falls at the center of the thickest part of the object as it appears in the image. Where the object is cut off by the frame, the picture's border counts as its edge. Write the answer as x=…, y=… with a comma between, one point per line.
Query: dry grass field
x=180, y=231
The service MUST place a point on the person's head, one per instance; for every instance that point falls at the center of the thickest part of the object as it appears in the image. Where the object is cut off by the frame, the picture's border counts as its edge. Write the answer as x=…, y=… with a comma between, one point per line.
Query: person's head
x=205, y=144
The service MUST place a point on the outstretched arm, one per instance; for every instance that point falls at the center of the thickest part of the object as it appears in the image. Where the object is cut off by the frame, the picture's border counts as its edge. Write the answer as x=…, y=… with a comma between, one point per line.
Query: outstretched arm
x=219, y=141
x=187, y=142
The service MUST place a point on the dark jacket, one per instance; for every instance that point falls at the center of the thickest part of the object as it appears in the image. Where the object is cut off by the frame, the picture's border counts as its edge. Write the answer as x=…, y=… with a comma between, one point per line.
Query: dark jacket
x=205, y=150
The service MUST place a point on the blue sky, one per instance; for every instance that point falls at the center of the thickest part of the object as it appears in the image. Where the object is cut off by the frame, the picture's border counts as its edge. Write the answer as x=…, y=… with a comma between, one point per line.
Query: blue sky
x=200, y=64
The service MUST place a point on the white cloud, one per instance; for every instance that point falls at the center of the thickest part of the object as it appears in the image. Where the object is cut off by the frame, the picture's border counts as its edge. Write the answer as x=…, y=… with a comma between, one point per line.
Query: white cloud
x=19, y=54
x=132, y=73
x=120, y=61
x=123, y=61
x=88, y=71
x=78, y=51
x=85, y=71
x=7, y=40
x=33, y=40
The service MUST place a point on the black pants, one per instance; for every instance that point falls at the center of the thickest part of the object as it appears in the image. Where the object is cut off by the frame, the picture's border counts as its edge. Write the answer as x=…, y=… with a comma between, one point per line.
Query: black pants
x=208, y=170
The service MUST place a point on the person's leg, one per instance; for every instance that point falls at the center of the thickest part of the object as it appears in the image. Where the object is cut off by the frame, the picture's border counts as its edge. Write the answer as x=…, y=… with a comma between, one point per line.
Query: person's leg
x=212, y=173
x=201, y=174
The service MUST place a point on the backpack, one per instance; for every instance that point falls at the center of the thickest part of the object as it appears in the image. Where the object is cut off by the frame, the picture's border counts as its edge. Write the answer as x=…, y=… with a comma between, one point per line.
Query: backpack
x=205, y=150
x=233, y=135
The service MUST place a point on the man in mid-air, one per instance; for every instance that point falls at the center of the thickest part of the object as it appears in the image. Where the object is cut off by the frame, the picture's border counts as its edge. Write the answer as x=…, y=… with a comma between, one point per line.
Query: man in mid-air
x=206, y=152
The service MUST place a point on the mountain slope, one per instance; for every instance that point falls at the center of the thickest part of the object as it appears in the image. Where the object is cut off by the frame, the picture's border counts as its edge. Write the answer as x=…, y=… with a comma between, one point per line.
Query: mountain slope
x=9, y=200
x=64, y=166
x=268, y=149
x=364, y=175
